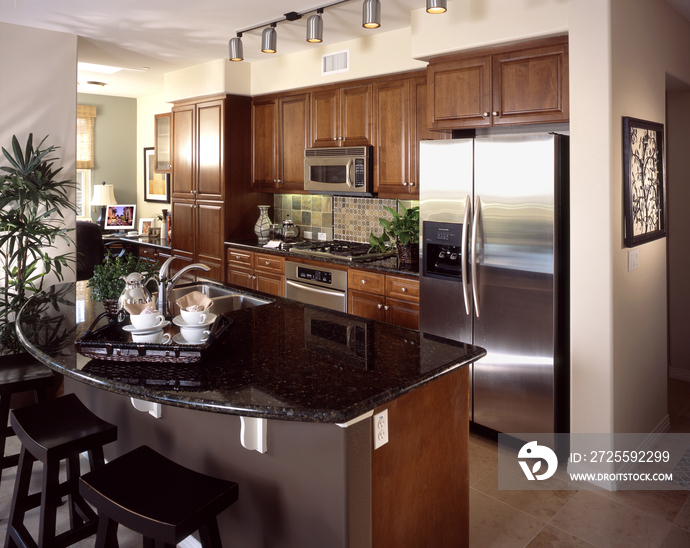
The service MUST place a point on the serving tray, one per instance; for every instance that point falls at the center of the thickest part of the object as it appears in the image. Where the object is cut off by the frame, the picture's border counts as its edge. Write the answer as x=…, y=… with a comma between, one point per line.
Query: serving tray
x=111, y=342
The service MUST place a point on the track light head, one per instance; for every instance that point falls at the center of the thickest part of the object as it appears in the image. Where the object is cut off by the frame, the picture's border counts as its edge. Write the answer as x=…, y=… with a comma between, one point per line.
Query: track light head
x=269, y=39
x=235, y=47
x=371, y=14
x=436, y=6
x=315, y=27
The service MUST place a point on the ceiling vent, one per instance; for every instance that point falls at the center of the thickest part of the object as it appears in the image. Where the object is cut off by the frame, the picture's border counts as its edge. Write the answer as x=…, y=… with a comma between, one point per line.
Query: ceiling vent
x=338, y=61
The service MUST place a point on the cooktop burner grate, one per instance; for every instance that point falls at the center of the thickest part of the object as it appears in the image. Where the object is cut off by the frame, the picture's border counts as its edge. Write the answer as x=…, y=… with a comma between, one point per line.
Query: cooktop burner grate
x=352, y=251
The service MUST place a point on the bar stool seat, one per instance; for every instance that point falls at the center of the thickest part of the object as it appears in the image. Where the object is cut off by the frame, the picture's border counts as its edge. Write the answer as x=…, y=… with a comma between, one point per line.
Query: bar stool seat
x=157, y=498
x=19, y=373
x=52, y=431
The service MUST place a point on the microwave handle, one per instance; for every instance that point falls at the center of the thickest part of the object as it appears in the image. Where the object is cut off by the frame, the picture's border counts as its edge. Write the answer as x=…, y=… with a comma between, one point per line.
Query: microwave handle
x=350, y=173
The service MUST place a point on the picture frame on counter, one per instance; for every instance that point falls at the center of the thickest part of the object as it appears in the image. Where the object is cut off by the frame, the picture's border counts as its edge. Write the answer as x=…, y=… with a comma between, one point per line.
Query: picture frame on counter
x=156, y=185
x=145, y=225
x=644, y=181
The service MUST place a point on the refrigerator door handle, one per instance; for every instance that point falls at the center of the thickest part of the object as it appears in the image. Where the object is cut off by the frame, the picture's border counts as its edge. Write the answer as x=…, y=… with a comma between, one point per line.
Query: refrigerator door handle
x=473, y=257
x=463, y=250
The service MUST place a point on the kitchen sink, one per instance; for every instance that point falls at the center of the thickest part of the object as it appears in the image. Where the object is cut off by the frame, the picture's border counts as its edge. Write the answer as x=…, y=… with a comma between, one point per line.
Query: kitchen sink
x=224, y=299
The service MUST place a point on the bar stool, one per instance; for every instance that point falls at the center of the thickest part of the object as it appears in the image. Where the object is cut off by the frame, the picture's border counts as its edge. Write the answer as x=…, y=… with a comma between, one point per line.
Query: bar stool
x=19, y=373
x=157, y=498
x=52, y=431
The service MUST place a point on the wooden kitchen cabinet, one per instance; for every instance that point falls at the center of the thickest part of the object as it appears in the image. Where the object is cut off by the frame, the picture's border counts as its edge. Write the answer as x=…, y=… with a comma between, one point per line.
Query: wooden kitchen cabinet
x=390, y=299
x=342, y=117
x=256, y=271
x=163, y=143
x=524, y=84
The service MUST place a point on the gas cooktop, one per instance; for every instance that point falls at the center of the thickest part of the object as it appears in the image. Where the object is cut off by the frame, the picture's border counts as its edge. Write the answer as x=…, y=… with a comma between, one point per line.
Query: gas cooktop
x=340, y=249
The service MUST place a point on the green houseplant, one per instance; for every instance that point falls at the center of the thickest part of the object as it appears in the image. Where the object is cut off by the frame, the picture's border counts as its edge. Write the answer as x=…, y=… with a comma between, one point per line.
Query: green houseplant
x=400, y=233
x=32, y=206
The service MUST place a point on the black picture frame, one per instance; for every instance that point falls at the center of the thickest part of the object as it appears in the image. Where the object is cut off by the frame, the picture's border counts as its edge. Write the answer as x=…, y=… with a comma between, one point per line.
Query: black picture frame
x=156, y=185
x=644, y=181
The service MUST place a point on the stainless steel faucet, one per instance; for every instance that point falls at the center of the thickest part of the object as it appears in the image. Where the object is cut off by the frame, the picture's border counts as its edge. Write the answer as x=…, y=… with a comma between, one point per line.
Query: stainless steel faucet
x=166, y=285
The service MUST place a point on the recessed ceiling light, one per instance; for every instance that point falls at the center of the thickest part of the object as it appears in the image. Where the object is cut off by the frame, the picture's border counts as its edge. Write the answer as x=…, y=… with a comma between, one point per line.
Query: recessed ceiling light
x=92, y=84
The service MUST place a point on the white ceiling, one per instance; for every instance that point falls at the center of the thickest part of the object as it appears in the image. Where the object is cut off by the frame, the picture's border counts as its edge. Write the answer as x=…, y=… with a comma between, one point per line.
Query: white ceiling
x=152, y=37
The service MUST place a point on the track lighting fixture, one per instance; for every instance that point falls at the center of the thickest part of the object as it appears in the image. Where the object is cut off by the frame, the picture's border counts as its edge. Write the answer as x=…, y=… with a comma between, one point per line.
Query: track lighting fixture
x=315, y=27
x=436, y=6
x=371, y=14
x=235, y=46
x=269, y=39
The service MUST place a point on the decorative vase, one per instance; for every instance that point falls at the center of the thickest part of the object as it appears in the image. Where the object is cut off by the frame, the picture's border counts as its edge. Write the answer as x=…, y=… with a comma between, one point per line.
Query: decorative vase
x=262, y=228
x=408, y=254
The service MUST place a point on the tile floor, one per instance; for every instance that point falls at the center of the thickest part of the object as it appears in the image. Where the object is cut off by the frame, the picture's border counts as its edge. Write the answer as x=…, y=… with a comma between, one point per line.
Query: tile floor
x=517, y=519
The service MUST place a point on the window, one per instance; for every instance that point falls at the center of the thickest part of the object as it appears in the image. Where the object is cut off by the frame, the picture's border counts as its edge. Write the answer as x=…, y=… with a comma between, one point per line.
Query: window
x=83, y=192
x=86, y=120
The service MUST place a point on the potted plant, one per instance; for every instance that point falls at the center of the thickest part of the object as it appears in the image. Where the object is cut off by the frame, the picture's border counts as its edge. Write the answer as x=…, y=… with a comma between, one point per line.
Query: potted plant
x=401, y=232
x=107, y=284
x=32, y=206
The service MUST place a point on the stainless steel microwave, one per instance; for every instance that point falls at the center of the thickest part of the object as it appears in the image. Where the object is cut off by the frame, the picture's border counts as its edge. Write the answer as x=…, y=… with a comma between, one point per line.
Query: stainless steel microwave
x=338, y=170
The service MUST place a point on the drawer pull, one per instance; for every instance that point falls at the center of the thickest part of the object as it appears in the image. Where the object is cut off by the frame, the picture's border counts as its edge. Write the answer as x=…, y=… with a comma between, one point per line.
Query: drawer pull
x=364, y=281
x=267, y=263
x=404, y=290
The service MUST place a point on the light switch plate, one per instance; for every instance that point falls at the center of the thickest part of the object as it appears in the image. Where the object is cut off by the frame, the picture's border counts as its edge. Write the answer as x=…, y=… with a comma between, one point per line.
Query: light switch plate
x=380, y=428
x=633, y=259
x=322, y=236
x=307, y=234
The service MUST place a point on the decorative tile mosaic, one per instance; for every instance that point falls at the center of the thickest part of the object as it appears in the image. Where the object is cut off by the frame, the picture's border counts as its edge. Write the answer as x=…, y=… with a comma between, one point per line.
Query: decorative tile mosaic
x=339, y=217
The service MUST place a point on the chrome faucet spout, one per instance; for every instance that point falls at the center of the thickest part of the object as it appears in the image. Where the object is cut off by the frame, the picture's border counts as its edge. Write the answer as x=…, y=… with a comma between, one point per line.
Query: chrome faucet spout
x=166, y=284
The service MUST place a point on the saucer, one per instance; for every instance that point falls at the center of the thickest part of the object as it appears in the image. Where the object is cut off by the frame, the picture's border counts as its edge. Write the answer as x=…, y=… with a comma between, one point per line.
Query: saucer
x=178, y=321
x=131, y=329
x=179, y=339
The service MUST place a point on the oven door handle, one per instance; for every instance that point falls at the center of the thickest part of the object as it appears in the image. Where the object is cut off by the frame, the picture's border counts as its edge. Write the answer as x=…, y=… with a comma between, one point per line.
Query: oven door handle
x=313, y=289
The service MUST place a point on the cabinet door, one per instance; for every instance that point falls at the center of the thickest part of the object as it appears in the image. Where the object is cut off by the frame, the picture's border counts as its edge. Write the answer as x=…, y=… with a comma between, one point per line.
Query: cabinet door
x=531, y=86
x=391, y=141
x=183, y=177
x=293, y=138
x=366, y=305
x=163, y=143
x=184, y=223
x=325, y=108
x=264, y=140
x=240, y=277
x=355, y=116
x=211, y=128
x=460, y=93
x=209, y=236
x=402, y=313
x=273, y=284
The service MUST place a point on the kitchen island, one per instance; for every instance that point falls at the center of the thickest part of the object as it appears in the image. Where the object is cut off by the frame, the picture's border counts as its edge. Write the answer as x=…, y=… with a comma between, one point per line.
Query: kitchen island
x=320, y=481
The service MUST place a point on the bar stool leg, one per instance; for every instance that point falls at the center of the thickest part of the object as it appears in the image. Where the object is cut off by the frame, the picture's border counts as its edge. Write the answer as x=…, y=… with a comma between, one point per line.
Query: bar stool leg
x=107, y=533
x=20, y=502
x=50, y=500
x=209, y=534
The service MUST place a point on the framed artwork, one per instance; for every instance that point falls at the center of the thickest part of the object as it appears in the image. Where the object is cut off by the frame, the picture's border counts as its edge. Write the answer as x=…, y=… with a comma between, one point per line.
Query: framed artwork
x=145, y=225
x=644, y=181
x=156, y=185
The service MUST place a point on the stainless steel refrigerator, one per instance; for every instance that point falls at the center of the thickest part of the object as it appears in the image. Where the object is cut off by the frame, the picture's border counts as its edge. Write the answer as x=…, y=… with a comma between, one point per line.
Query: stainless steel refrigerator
x=494, y=266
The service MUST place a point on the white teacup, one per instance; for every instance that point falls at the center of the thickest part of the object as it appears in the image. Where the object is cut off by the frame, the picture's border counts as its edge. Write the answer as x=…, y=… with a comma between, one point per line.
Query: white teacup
x=194, y=334
x=146, y=321
x=193, y=318
x=156, y=337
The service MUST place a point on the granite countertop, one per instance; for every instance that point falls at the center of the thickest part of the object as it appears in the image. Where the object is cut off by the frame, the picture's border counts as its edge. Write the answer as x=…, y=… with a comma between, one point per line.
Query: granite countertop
x=390, y=265
x=270, y=365
x=161, y=242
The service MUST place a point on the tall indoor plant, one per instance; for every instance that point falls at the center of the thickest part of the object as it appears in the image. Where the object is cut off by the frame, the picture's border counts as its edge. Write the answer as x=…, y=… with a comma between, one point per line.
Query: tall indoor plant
x=33, y=202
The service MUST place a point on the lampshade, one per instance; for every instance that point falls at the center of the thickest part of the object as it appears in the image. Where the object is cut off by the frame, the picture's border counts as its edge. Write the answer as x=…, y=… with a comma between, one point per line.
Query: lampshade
x=436, y=6
x=236, y=50
x=371, y=14
x=269, y=39
x=103, y=195
x=315, y=28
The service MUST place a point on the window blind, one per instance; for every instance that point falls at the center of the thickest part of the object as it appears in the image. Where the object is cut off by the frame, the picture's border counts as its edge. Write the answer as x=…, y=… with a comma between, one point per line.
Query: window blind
x=86, y=119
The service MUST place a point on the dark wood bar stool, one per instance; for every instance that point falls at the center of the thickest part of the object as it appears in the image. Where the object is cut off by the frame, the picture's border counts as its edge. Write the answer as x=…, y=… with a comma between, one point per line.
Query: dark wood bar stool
x=157, y=498
x=50, y=432
x=19, y=373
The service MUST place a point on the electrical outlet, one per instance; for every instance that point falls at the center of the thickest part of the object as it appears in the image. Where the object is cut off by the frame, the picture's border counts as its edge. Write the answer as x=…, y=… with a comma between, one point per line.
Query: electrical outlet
x=322, y=236
x=307, y=234
x=380, y=428
x=633, y=259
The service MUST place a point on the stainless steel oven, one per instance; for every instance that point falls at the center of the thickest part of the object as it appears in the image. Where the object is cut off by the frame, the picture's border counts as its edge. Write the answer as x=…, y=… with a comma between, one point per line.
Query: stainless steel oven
x=320, y=286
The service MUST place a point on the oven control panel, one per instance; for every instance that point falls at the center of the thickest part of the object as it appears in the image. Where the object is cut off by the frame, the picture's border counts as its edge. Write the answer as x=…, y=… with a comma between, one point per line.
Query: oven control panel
x=322, y=276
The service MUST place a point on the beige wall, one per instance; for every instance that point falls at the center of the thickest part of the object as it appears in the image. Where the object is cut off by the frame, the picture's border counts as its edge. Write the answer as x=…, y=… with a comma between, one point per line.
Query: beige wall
x=38, y=94
x=678, y=199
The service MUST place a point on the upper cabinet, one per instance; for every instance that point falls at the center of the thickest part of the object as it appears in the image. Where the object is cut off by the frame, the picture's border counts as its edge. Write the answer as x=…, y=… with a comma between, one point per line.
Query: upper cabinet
x=524, y=84
x=341, y=117
x=163, y=134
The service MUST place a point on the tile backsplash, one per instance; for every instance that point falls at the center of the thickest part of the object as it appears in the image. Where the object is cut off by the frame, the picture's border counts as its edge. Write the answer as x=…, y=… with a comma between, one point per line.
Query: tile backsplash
x=339, y=217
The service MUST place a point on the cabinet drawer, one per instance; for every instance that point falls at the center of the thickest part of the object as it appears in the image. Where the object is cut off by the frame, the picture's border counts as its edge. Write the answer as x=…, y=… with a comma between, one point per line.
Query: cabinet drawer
x=240, y=258
x=368, y=282
x=269, y=263
x=147, y=252
x=405, y=289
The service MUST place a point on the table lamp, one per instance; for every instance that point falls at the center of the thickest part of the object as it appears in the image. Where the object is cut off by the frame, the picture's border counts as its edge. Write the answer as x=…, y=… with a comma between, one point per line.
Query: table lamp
x=103, y=195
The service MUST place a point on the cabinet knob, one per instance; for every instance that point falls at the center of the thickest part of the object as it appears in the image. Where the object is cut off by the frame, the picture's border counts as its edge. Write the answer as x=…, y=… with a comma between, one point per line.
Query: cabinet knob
x=253, y=277
x=335, y=138
x=404, y=290
x=404, y=184
x=494, y=113
x=486, y=114
x=379, y=306
x=278, y=181
x=411, y=184
x=364, y=281
x=385, y=307
x=267, y=263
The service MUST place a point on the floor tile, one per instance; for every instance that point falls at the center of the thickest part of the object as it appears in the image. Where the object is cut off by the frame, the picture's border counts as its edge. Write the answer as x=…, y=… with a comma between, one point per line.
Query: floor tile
x=655, y=503
x=494, y=524
x=539, y=503
x=482, y=461
x=609, y=524
x=552, y=537
x=676, y=538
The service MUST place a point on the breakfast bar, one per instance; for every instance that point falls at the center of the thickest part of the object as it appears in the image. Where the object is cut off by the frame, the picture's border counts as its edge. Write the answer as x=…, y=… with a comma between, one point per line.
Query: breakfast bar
x=335, y=439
